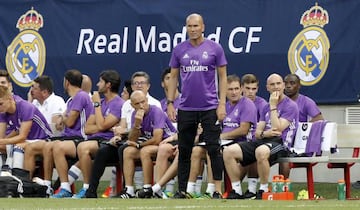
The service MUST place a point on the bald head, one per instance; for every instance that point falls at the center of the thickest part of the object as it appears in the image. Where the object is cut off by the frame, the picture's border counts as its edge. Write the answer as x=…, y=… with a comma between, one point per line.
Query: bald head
x=138, y=100
x=196, y=17
x=275, y=83
x=136, y=94
x=273, y=77
x=86, y=84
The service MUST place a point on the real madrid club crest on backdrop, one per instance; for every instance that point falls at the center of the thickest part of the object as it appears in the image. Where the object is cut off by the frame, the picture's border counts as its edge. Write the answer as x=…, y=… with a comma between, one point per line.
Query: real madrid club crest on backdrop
x=25, y=57
x=308, y=55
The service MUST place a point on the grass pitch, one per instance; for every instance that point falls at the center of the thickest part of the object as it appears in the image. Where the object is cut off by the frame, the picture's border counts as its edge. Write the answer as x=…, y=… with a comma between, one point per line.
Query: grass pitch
x=136, y=204
x=326, y=190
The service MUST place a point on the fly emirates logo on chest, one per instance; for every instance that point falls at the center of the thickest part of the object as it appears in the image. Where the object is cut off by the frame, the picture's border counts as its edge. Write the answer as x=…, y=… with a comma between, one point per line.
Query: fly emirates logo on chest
x=194, y=66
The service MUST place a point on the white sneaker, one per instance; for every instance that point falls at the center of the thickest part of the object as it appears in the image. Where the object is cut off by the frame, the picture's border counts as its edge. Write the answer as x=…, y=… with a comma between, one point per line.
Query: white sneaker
x=5, y=170
x=39, y=181
x=49, y=191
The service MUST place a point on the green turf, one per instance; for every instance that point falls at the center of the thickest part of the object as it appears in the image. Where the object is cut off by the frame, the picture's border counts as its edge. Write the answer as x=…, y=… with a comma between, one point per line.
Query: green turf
x=98, y=204
x=327, y=190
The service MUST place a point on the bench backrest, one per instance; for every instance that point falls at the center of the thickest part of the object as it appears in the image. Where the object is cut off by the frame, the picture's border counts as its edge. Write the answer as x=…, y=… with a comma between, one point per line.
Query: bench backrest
x=348, y=135
x=328, y=138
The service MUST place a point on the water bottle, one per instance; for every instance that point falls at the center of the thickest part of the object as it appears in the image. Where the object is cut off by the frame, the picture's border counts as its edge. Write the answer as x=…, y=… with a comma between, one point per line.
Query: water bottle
x=281, y=185
x=170, y=186
x=278, y=183
x=274, y=185
x=287, y=185
x=341, y=189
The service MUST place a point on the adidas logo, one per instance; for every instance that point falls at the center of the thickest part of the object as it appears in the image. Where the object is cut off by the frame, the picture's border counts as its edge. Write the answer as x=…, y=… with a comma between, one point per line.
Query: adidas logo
x=186, y=56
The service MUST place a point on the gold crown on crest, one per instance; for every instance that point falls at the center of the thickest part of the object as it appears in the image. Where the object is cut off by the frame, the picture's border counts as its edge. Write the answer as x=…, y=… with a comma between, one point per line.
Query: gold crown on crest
x=30, y=20
x=316, y=15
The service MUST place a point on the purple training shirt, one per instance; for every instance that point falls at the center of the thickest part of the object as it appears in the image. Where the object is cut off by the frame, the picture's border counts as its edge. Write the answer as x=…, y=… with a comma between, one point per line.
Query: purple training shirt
x=112, y=107
x=243, y=111
x=26, y=111
x=81, y=103
x=198, y=72
x=307, y=108
x=155, y=118
x=287, y=109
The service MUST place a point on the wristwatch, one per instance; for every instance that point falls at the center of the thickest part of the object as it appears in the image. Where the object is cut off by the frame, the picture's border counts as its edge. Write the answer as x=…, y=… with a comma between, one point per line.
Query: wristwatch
x=96, y=104
x=169, y=102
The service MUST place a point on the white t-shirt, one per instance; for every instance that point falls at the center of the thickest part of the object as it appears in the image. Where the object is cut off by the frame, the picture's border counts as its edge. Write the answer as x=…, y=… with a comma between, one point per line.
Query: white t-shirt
x=53, y=105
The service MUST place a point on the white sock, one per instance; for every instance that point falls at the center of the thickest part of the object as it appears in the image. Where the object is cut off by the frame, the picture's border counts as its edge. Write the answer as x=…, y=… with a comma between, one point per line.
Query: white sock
x=237, y=187
x=190, y=187
x=198, y=184
x=170, y=185
x=264, y=187
x=156, y=188
x=1, y=160
x=18, y=161
x=86, y=186
x=47, y=183
x=252, y=183
x=73, y=174
x=9, y=155
x=66, y=186
x=113, y=178
x=130, y=190
x=147, y=186
x=138, y=177
x=210, y=188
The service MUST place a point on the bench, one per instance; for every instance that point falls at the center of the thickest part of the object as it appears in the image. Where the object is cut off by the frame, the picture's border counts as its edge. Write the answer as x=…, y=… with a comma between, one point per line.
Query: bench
x=347, y=137
x=329, y=139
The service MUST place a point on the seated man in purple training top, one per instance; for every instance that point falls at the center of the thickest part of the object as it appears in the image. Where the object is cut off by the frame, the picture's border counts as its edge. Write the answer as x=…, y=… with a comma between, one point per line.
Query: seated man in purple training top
x=274, y=133
x=25, y=125
x=150, y=126
x=308, y=110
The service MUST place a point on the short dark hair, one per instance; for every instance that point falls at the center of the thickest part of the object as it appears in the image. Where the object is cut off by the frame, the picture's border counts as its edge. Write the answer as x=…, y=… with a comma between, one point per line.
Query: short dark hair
x=248, y=79
x=233, y=78
x=4, y=73
x=45, y=83
x=74, y=77
x=294, y=75
x=164, y=73
x=127, y=85
x=113, y=77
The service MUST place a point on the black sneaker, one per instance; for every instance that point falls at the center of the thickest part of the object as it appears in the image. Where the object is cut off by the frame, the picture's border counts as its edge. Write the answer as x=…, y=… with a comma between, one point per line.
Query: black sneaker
x=259, y=194
x=249, y=195
x=123, y=194
x=217, y=195
x=234, y=195
x=145, y=193
x=90, y=193
x=181, y=195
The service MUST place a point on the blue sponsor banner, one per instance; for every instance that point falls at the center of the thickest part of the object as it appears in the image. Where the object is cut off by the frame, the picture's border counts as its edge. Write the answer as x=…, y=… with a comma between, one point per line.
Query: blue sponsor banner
x=318, y=40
